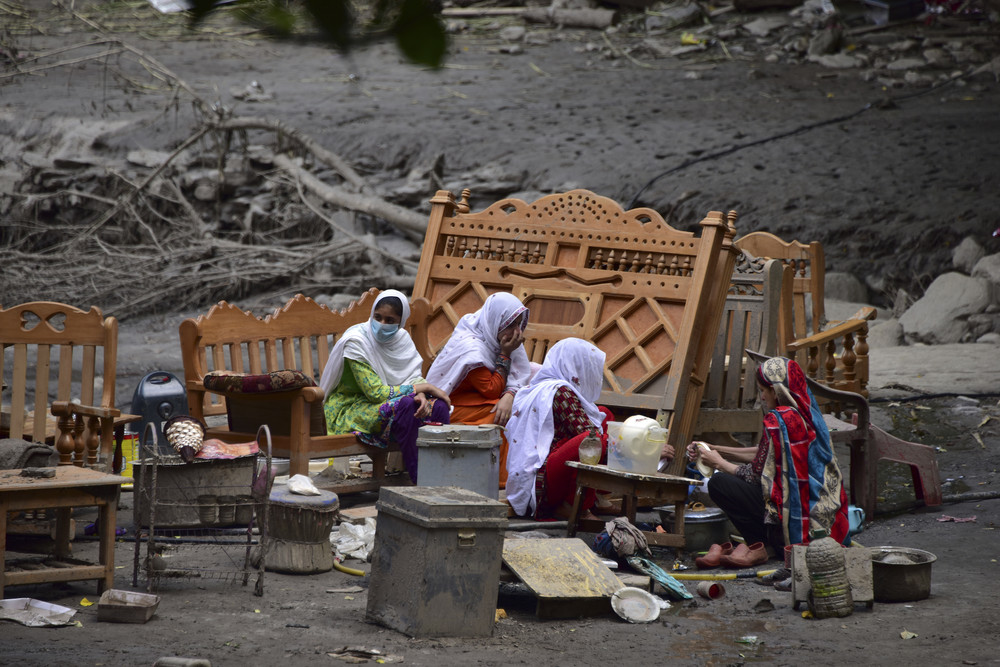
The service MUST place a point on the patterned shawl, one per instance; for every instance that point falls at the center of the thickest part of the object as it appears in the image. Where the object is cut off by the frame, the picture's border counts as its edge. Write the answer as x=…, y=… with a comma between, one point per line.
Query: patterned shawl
x=801, y=480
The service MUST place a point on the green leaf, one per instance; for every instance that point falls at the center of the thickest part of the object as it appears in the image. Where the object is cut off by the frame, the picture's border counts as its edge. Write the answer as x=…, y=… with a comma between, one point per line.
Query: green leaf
x=199, y=10
x=335, y=18
x=420, y=34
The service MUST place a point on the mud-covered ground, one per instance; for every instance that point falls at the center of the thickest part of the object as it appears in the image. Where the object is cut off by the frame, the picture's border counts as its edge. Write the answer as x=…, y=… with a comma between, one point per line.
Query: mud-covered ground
x=889, y=190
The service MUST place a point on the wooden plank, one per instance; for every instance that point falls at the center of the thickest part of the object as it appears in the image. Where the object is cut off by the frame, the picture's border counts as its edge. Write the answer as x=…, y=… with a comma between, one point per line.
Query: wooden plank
x=357, y=515
x=567, y=576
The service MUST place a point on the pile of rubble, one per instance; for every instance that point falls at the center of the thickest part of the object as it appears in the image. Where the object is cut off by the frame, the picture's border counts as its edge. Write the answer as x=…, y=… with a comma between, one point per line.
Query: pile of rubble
x=933, y=42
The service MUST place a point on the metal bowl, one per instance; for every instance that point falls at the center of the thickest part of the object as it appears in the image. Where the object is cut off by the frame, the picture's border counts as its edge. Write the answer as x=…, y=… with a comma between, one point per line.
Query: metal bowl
x=901, y=574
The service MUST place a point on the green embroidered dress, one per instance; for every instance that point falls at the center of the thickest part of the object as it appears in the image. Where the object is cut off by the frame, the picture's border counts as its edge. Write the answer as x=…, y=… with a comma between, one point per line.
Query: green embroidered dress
x=363, y=404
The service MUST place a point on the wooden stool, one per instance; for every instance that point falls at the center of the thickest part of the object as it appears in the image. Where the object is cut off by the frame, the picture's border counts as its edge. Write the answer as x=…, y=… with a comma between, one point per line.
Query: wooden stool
x=299, y=528
x=659, y=487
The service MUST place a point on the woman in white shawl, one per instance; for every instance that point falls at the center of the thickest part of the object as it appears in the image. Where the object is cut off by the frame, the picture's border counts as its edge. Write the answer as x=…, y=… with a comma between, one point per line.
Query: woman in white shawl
x=483, y=365
x=550, y=419
x=373, y=386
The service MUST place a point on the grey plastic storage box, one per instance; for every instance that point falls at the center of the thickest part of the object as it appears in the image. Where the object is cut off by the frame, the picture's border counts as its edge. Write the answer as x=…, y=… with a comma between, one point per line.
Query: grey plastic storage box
x=462, y=455
x=436, y=561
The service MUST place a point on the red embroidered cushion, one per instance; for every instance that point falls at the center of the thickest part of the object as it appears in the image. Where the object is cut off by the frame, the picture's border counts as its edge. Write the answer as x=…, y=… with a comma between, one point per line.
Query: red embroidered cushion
x=287, y=380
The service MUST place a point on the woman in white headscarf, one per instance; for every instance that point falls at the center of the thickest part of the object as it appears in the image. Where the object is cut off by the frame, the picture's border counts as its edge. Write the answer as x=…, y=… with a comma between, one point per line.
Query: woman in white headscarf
x=373, y=385
x=550, y=419
x=483, y=365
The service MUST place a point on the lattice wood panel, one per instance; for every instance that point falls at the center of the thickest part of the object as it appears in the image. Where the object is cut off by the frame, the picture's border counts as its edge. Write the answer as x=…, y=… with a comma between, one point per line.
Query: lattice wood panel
x=585, y=267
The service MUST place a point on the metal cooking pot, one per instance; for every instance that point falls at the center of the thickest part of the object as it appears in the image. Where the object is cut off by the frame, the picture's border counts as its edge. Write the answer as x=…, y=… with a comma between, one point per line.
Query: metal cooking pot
x=702, y=528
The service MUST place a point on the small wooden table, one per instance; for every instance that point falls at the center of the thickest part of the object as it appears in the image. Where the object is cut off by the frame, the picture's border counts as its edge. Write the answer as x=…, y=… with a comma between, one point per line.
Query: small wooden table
x=658, y=486
x=71, y=487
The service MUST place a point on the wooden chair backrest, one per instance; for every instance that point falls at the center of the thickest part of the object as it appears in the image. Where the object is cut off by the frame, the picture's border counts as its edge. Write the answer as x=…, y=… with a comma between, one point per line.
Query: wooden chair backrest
x=803, y=308
x=749, y=321
x=53, y=352
x=298, y=336
x=650, y=296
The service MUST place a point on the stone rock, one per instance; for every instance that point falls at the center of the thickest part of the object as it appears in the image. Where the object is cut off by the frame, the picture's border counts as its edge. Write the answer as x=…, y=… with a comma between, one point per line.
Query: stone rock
x=763, y=26
x=902, y=301
x=513, y=33
x=826, y=41
x=988, y=269
x=885, y=334
x=941, y=315
x=837, y=61
x=993, y=338
x=917, y=79
x=981, y=324
x=906, y=63
x=675, y=17
x=937, y=57
x=966, y=254
x=845, y=287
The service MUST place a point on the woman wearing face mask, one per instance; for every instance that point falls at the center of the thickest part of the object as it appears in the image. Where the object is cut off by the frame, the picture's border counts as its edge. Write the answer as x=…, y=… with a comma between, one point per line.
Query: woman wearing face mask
x=373, y=385
x=483, y=365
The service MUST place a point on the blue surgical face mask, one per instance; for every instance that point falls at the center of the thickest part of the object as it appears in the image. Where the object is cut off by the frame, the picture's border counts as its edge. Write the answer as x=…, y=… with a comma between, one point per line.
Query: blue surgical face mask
x=383, y=332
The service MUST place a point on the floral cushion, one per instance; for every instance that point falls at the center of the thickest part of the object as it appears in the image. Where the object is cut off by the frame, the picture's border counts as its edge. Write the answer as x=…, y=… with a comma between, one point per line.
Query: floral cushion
x=241, y=383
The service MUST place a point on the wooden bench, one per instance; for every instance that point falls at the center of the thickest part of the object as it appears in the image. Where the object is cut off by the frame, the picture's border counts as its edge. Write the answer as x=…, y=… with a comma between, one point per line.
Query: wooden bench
x=750, y=320
x=298, y=336
x=62, y=351
x=834, y=353
x=650, y=296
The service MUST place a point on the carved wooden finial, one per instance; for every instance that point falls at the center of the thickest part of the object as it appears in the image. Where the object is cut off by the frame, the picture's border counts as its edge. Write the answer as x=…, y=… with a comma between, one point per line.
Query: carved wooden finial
x=463, y=203
x=731, y=224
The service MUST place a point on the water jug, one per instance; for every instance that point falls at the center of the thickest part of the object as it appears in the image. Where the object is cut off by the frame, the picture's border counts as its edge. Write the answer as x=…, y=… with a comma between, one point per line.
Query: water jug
x=831, y=593
x=638, y=445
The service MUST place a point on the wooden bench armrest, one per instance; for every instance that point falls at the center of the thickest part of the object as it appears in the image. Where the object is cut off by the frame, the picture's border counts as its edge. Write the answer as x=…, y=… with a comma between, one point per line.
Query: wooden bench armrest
x=832, y=334
x=68, y=408
x=866, y=313
x=859, y=402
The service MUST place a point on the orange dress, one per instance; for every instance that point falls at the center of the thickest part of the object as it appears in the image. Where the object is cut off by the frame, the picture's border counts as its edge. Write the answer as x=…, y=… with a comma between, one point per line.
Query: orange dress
x=474, y=399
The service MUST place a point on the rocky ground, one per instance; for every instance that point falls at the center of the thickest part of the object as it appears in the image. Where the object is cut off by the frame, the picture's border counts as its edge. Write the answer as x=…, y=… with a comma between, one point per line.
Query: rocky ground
x=879, y=145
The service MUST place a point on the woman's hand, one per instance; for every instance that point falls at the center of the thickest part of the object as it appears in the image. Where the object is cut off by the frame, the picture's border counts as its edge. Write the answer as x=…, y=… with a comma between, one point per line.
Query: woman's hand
x=667, y=452
x=423, y=406
x=704, y=451
x=501, y=411
x=511, y=341
x=430, y=390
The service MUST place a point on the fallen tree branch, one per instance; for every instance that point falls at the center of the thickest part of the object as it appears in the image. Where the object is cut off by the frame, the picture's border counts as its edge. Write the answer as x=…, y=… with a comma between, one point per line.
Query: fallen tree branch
x=411, y=224
x=325, y=156
x=330, y=221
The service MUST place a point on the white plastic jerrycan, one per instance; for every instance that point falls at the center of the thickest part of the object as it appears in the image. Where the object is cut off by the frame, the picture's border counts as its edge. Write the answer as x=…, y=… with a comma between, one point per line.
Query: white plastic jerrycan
x=639, y=445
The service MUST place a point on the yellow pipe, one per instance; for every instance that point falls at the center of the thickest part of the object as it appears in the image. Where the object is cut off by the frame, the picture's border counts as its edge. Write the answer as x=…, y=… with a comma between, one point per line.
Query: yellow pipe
x=347, y=570
x=708, y=576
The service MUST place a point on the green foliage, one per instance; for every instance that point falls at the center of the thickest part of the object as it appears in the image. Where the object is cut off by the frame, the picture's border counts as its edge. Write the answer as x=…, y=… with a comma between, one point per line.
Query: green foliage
x=414, y=24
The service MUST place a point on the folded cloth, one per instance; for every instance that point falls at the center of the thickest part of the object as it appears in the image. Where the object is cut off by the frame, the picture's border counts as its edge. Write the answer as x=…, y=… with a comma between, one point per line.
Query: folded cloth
x=16, y=453
x=213, y=448
x=626, y=538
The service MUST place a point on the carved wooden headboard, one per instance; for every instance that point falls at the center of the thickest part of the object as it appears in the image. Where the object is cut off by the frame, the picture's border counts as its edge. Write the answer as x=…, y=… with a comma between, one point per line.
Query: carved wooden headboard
x=650, y=296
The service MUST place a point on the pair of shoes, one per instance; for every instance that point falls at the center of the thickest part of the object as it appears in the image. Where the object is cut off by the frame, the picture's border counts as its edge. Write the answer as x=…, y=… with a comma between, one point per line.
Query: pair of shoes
x=744, y=556
x=714, y=557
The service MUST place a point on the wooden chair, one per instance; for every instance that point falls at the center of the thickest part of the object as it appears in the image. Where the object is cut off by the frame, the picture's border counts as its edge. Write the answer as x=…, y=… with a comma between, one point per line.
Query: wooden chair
x=869, y=444
x=749, y=321
x=297, y=336
x=650, y=296
x=52, y=350
x=834, y=353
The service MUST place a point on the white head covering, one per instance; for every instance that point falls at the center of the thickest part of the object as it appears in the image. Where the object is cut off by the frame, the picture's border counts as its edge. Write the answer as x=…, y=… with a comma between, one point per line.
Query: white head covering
x=395, y=361
x=474, y=343
x=572, y=363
